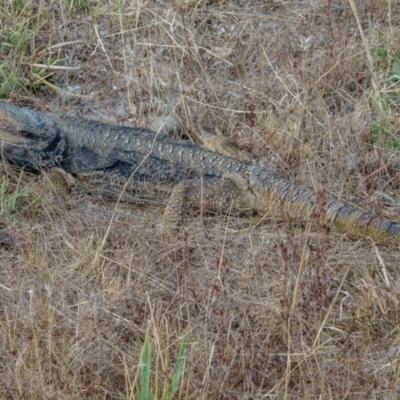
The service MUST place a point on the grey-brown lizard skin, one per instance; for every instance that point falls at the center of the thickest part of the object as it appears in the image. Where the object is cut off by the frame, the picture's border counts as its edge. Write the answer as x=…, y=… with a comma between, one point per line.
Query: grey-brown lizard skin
x=191, y=174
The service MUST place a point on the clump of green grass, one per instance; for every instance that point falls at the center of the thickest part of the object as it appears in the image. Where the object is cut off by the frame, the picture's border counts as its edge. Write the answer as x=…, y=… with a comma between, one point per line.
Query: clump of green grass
x=76, y=5
x=24, y=64
x=11, y=202
x=172, y=383
x=386, y=62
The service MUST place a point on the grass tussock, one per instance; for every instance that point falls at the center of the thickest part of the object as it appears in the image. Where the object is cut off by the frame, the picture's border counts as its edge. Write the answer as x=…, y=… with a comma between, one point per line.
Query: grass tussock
x=96, y=304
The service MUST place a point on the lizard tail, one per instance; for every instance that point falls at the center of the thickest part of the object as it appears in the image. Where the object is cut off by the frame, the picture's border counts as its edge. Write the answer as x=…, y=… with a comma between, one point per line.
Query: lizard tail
x=276, y=193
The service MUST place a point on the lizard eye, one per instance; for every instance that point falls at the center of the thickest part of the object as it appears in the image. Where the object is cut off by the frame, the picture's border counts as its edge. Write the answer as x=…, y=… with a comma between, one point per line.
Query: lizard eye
x=26, y=134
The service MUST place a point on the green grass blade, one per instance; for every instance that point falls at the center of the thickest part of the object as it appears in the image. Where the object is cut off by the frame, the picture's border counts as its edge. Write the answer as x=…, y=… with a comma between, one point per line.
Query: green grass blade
x=146, y=364
x=179, y=365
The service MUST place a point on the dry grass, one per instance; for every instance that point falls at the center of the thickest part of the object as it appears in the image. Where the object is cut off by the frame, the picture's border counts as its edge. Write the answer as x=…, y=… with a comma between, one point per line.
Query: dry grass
x=274, y=309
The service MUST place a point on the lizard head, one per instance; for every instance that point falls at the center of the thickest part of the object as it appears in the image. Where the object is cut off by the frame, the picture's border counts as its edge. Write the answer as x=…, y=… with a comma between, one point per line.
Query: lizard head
x=29, y=138
x=23, y=127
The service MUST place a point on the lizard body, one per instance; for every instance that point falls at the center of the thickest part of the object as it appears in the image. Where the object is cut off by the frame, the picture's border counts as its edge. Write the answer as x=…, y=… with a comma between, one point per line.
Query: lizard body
x=187, y=172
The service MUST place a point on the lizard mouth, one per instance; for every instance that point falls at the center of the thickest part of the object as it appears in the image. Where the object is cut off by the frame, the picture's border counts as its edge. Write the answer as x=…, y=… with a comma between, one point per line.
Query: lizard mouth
x=15, y=133
x=21, y=138
x=15, y=140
